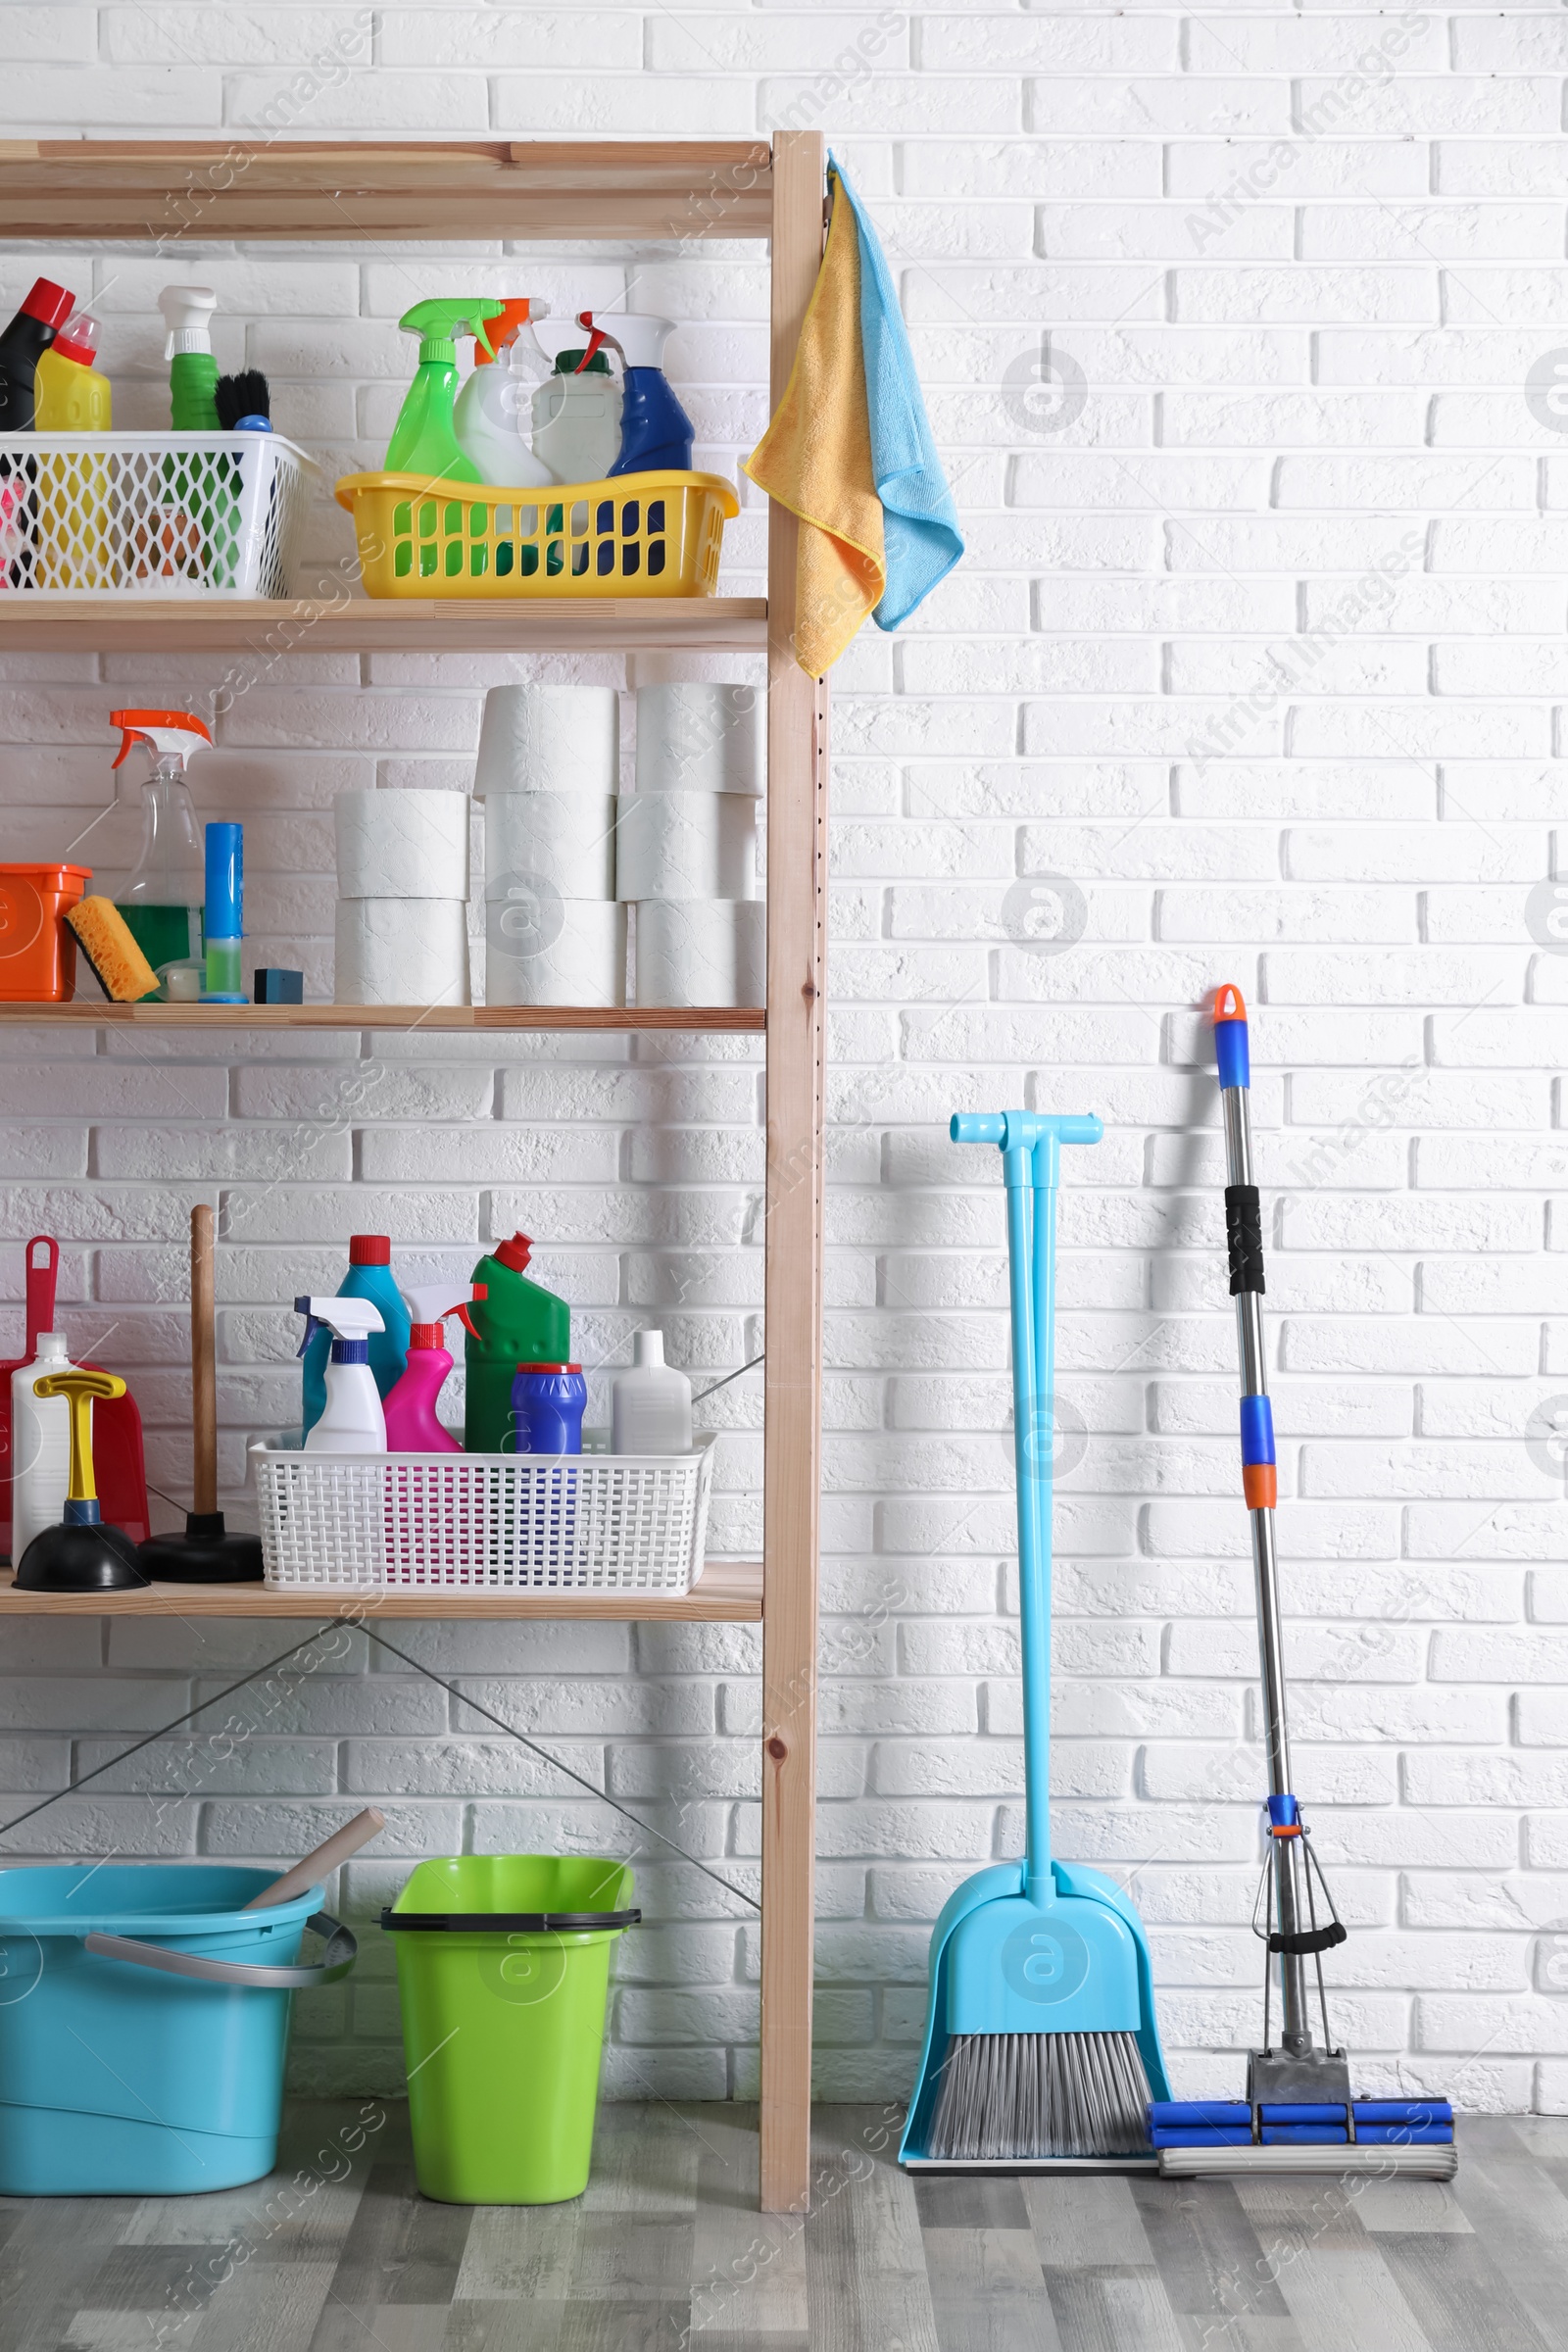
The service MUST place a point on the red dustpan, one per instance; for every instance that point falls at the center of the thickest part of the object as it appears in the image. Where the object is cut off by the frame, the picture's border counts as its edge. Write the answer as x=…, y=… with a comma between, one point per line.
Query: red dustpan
x=116, y=1426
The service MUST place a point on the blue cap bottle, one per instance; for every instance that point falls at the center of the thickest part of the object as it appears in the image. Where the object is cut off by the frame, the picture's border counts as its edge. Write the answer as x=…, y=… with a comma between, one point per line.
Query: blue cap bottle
x=224, y=919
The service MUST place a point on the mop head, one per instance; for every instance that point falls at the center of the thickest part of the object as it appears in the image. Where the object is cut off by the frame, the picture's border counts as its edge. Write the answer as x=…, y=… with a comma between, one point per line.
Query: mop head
x=118, y=965
x=1012, y=2096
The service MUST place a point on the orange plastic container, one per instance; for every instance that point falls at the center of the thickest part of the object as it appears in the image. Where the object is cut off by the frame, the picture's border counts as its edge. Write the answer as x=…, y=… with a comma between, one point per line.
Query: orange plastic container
x=37, y=945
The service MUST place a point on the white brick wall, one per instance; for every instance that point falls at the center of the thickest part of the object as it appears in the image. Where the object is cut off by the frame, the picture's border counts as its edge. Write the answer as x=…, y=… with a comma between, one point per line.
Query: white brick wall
x=1259, y=647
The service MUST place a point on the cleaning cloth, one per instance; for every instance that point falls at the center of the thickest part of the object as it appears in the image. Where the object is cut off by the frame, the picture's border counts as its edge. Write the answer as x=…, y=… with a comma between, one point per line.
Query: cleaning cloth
x=815, y=458
x=921, y=538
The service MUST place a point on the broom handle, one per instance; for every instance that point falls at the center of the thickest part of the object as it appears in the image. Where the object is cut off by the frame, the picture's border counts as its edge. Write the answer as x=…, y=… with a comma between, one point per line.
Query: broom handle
x=1031, y=1160
x=203, y=1362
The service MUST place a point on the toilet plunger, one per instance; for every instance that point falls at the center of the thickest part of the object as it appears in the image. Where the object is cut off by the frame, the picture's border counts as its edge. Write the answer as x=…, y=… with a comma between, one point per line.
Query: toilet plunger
x=205, y=1554
x=84, y=1553
x=322, y=1860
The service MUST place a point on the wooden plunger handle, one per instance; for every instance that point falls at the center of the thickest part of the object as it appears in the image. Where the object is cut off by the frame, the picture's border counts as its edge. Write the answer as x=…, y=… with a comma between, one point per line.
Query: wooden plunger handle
x=322, y=1861
x=203, y=1361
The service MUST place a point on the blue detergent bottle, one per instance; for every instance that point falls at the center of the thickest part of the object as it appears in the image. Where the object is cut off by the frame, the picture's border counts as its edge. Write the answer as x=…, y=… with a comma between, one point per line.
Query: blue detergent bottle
x=656, y=432
x=370, y=1276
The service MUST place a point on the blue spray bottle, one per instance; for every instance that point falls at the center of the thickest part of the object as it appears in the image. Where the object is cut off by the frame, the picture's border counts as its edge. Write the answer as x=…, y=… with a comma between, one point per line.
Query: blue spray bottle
x=656, y=432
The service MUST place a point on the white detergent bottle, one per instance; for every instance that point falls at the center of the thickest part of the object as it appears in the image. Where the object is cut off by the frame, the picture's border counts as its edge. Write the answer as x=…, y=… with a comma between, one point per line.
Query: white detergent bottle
x=491, y=418
x=650, y=1405
x=40, y=1442
x=576, y=410
x=352, y=1421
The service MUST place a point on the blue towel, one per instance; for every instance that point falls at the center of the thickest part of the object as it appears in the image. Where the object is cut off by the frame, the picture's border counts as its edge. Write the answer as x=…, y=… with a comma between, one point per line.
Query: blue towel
x=922, y=534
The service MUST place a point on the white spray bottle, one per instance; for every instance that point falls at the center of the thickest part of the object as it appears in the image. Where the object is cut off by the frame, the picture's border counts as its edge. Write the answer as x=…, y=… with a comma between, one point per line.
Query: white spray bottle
x=353, y=1421
x=491, y=418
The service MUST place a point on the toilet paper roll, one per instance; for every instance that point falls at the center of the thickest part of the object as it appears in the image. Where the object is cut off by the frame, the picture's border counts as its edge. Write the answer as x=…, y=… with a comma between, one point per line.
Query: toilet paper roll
x=566, y=839
x=686, y=845
x=402, y=951
x=548, y=739
x=550, y=950
x=402, y=845
x=696, y=951
x=701, y=739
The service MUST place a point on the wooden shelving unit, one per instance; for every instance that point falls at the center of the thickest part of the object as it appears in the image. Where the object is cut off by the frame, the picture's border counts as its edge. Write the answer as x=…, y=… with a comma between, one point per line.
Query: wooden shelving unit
x=59, y=621
x=441, y=1018
x=155, y=190
x=727, y=1592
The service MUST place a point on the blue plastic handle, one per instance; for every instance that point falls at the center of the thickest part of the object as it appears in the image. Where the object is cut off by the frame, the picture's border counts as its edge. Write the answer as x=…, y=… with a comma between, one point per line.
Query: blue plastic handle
x=1021, y=1130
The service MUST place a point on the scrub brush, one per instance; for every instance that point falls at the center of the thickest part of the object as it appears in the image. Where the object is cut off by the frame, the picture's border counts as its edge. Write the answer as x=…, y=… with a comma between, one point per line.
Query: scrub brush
x=118, y=965
x=244, y=402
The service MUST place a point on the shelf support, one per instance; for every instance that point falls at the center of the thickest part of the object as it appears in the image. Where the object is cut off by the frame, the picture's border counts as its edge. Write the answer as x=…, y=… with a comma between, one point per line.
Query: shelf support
x=796, y=915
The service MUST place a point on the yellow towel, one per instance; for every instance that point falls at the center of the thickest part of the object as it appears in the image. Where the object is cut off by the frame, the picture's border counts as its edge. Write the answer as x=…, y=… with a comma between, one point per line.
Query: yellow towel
x=815, y=458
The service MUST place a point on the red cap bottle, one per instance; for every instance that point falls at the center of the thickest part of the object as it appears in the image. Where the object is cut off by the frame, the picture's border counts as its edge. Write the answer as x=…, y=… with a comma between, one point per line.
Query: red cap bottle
x=369, y=1250
x=22, y=346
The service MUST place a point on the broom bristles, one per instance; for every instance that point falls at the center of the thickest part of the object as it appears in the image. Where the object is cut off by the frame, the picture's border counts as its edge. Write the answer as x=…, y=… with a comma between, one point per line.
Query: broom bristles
x=1007, y=2095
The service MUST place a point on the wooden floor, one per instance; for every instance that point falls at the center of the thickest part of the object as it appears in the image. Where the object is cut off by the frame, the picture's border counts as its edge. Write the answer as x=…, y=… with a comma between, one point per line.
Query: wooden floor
x=338, y=2253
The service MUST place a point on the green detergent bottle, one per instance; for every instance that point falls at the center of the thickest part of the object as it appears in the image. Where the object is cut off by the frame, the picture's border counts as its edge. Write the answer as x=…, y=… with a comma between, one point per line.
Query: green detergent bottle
x=423, y=441
x=517, y=1322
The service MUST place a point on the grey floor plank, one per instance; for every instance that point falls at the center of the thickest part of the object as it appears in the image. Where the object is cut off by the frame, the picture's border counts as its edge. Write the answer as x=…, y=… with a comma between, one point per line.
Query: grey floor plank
x=988, y=2293
x=518, y=2251
x=866, y=2281
x=514, y=2325
x=1341, y=2296
x=265, y=2307
x=47, y=2263
x=1413, y=2206
x=1461, y=2297
x=380, y=2327
x=1084, y=2220
x=748, y=2268
x=969, y=2201
x=1206, y=2249
x=1105, y=2309
x=646, y=2160
x=1507, y=2189
x=400, y=2247
x=632, y=2258
x=622, y=2327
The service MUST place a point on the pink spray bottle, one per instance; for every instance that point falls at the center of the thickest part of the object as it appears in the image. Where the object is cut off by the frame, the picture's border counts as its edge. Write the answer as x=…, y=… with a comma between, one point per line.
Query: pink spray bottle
x=410, y=1423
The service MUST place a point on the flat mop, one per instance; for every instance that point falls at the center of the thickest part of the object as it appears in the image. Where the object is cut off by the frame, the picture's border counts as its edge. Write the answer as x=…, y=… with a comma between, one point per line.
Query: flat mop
x=1298, y=2115
x=1040, y=2042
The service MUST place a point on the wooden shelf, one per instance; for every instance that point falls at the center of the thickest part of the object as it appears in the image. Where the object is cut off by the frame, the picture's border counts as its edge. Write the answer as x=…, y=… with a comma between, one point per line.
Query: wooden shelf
x=434, y=1018
x=727, y=1592
x=351, y=189
x=271, y=627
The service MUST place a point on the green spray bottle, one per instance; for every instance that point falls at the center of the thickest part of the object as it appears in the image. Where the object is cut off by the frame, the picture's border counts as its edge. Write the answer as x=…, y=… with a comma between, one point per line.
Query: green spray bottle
x=192, y=370
x=422, y=439
x=516, y=1322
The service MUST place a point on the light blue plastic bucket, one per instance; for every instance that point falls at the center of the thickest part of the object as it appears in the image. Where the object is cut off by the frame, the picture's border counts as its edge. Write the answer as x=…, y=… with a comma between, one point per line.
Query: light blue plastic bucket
x=144, y=2021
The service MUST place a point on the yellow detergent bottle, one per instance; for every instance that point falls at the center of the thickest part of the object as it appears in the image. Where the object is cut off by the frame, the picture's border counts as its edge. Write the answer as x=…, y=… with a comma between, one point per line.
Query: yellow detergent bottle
x=75, y=534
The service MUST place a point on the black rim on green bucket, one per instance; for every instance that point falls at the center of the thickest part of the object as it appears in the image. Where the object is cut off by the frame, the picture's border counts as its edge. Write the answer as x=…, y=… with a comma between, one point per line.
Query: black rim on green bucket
x=506, y=1923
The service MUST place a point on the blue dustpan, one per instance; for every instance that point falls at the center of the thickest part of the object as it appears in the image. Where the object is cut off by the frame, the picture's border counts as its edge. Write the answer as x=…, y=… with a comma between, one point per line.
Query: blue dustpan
x=1039, y=1949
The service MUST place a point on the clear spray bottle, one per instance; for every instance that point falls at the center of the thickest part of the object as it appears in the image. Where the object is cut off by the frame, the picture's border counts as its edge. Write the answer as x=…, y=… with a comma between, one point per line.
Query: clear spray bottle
x=162, y=901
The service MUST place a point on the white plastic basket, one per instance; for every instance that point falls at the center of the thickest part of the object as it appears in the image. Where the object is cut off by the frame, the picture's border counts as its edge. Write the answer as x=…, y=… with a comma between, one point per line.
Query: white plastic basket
x=150, y=514
x=484, y=1522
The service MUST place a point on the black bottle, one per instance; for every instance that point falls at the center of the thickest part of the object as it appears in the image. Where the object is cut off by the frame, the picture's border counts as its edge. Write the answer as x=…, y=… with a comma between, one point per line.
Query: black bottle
x=22, y=345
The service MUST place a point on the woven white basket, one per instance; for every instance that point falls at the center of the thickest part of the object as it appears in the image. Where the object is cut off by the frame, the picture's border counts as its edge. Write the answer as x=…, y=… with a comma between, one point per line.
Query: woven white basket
x=150, y=514
x=484, y=1522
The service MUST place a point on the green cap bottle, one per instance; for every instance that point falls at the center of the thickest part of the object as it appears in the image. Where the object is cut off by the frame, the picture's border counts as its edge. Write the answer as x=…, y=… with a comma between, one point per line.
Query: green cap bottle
x=422, y=439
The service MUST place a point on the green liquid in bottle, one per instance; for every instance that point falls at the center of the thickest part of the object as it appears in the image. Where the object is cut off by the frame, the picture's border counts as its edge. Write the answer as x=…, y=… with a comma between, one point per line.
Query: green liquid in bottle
x=164, y=933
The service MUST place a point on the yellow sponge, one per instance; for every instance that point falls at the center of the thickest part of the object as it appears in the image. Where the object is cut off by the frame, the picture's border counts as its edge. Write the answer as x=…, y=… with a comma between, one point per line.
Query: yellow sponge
x=120, y=967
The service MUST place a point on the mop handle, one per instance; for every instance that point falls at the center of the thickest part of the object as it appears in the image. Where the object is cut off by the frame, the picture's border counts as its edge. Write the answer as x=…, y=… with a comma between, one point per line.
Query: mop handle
x=1244, y=1237
x=1030, y=1142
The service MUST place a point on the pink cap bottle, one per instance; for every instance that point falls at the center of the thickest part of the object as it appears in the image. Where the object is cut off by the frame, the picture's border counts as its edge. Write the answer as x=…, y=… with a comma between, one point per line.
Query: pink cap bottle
x=412, y=1426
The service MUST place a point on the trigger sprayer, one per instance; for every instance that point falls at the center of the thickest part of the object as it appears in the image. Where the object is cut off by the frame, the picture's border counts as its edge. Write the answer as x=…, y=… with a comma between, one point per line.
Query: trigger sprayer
x=192, y=370
x=412, y=1426
x=162, y=901
x=424, y=440
x=491, y=418
x=656, y=432
x=352, y=1421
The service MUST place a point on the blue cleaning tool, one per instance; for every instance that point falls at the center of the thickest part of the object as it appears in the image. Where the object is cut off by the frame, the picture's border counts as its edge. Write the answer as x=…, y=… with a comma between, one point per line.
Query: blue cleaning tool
x=1300, y=2113
x=1041, y=2044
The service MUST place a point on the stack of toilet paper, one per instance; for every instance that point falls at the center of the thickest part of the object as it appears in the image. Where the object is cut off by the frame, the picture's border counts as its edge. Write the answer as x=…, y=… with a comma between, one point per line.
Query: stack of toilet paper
x=548, y=770
x=686, y=854
x=401, y=898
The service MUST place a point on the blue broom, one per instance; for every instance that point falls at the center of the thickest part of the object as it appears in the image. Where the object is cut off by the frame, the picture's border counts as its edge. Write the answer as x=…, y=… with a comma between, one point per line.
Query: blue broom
x=1040, y=2045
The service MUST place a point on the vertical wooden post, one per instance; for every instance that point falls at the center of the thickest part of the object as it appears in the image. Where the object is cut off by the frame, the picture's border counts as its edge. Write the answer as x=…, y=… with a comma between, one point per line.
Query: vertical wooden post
x=797, y=881
x=203, y=1362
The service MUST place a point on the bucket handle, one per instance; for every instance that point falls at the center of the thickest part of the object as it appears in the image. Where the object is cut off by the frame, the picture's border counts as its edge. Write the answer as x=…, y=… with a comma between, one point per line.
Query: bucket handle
x=507, y=1922
x=335, y=1961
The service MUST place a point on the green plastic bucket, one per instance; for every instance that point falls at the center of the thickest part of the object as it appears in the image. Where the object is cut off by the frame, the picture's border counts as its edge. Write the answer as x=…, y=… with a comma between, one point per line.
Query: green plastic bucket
x=504, y=1975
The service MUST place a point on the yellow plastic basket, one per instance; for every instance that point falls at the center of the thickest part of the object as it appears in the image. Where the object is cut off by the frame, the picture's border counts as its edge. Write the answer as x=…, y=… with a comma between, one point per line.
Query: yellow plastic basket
x=643, y=534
